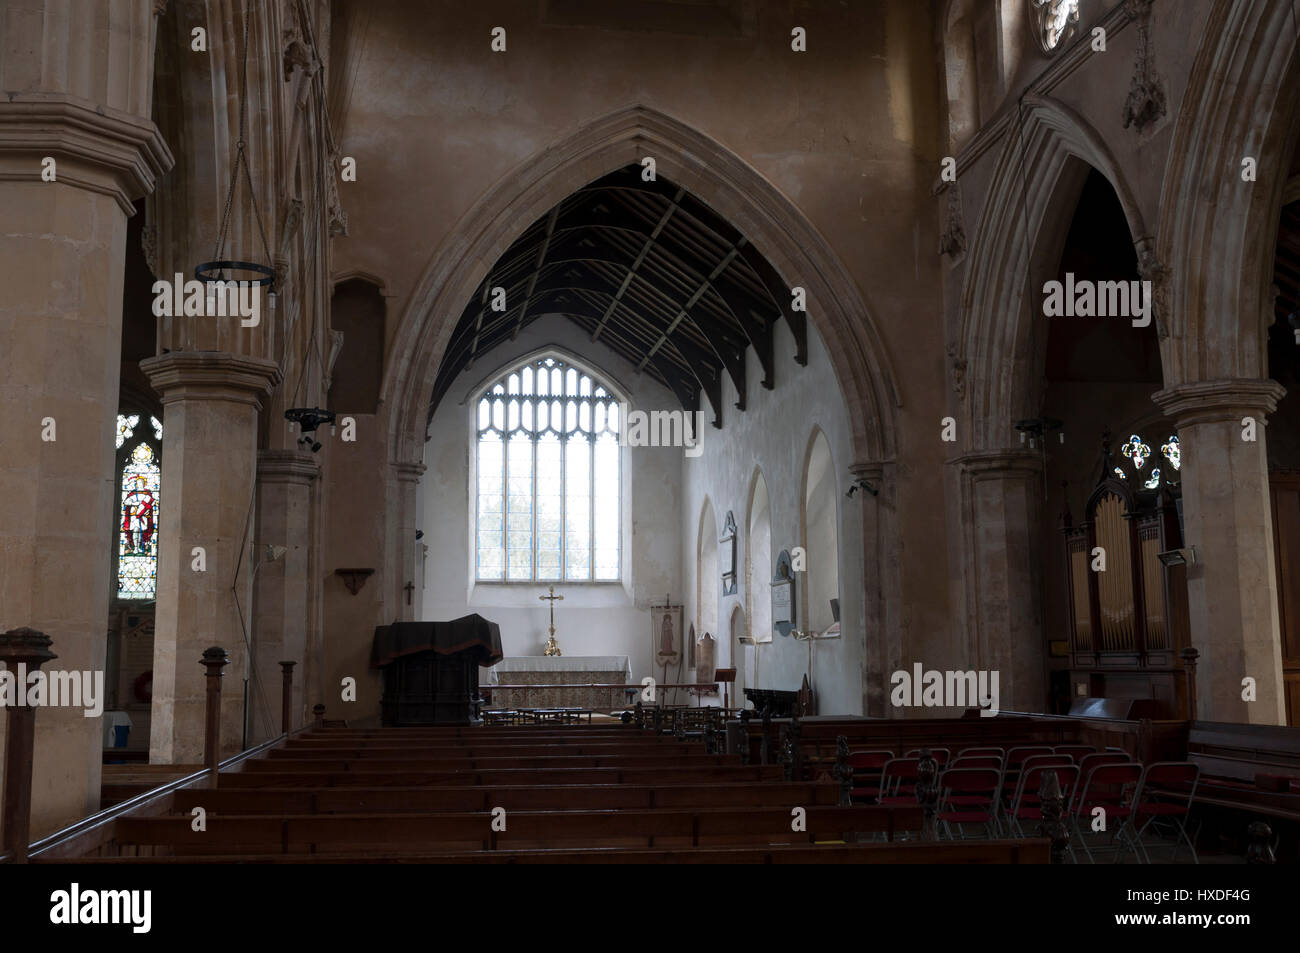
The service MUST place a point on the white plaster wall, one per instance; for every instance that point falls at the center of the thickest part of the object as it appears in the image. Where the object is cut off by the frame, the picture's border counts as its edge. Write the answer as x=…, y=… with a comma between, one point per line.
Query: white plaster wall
x=772, y=436
x=594, y=618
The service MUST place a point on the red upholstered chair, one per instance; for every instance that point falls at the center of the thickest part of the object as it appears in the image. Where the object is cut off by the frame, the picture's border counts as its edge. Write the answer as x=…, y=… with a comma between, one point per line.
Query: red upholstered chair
x=898, y=781
x=1000, y=752
x=867, y=767
x=941, y=755
x=977, y=761
x=1011, y=782
x=1012, y=766
x=1077, y=752
x=1112, y=788
x=1026, y=810
x=1164, y=803
x=969, y=796
x=1090, y=761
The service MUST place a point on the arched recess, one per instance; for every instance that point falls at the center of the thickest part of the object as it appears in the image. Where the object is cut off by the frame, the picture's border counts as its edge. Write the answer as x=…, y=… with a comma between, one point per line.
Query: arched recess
x=758, y=564
x=1027, y=207
x=706, y=573
x=355, y=366
x=821, y=535
x=777, y=228
x=1217, y=233
x=740, y=652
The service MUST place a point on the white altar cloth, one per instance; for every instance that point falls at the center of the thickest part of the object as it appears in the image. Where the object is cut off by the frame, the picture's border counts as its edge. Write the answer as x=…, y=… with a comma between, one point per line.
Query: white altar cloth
x=558, y=663
x=559, y=682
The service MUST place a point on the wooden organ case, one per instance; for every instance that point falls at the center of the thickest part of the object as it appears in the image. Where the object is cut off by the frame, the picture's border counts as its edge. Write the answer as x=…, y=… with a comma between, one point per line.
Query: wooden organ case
x=1128, y=622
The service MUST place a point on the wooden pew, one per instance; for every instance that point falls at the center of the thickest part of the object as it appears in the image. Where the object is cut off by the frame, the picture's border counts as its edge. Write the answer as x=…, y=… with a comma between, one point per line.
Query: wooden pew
x=1026, y=851
x=372, y=778
x=416, y=800
x=454, y=753
x=610, y=791
x=525, y=829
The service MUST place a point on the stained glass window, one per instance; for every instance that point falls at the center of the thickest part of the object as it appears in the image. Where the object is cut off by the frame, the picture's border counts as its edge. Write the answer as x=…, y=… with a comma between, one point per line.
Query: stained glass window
x=1057, y=20
x=1136, y=452
x=126, y=428
x=549, y=476
x=1173, y=453
x=137, y=560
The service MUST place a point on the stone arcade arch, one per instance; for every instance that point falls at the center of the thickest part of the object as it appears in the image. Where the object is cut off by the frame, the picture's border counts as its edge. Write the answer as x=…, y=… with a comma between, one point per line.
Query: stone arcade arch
x=775, y=226
x=1035, y=185
x=1215, y=293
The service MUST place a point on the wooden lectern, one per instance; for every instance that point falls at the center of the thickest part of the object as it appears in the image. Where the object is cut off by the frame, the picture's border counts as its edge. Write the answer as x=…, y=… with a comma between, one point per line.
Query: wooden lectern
x=727, y=676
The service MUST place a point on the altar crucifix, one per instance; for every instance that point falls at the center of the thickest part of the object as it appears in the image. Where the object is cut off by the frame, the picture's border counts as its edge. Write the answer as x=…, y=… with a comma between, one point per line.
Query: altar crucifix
x=552, y=647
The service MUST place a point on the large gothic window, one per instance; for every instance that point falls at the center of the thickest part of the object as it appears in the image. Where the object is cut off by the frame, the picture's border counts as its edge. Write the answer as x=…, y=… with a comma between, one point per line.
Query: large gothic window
x=137, y=515
x=549, y=476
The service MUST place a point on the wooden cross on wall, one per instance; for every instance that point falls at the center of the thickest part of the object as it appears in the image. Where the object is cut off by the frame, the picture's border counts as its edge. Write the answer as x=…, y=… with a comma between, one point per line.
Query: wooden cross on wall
x=410, y=588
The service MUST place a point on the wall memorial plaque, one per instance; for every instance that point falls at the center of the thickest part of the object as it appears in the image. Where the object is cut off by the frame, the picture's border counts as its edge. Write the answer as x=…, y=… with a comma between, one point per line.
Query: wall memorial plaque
x=783, y=595
x=727, y=554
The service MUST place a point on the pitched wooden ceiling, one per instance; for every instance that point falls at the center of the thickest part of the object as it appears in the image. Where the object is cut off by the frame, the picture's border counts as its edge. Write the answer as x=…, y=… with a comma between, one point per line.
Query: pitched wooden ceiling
x=648, y=270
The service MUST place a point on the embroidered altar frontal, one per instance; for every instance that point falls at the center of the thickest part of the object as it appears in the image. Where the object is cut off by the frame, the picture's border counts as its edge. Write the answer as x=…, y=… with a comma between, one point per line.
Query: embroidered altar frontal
x=562, y=682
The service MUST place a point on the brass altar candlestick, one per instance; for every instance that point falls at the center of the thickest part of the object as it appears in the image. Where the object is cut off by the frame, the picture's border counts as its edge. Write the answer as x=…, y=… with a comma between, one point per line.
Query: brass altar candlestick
x=552, y=647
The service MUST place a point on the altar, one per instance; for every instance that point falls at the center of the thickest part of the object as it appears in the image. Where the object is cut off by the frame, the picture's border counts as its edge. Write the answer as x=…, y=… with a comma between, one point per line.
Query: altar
x=557, y=673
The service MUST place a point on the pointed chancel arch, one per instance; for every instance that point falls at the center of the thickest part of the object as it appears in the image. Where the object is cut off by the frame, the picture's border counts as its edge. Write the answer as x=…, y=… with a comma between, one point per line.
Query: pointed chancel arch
x=821, y=535
x=776, y=229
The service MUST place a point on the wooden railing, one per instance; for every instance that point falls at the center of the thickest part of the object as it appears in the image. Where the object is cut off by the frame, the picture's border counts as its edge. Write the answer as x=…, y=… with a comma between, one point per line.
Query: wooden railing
x=93, y=835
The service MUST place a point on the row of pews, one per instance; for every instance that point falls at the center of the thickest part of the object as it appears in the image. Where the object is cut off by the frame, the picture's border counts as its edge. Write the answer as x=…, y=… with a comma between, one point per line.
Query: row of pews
x=613, y=793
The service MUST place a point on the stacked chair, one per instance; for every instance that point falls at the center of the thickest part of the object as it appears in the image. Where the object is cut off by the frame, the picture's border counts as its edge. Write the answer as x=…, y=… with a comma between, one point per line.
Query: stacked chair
x=988, y=792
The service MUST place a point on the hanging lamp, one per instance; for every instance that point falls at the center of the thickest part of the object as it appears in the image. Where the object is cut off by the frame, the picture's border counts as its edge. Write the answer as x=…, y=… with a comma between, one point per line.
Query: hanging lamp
x=222, y=269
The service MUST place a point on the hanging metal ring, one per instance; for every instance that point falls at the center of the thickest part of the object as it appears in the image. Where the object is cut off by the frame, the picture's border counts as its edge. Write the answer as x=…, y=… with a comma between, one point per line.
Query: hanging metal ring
x=211, y=271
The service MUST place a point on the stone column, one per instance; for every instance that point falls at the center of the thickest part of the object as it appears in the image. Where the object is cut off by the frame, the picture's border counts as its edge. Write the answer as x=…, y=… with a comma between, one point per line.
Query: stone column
x=1002, y=507
x=282, y=615
x=62, y=260
x=209, y=464
x=401, y=541
x=880, y=580
x=1227, y=517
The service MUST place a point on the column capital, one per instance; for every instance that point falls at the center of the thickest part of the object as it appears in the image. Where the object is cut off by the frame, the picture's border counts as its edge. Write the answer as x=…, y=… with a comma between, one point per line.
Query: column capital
x=986, y=463
x=25, y=646
x=96, y=147
x=1220, y=400
x=287, y=466
x=211, y=375
x=867, y=470
x=406, y=471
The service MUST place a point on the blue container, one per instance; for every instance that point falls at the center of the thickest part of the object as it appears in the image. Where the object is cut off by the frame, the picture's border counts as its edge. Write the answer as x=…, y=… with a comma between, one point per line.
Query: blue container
x=120, y=733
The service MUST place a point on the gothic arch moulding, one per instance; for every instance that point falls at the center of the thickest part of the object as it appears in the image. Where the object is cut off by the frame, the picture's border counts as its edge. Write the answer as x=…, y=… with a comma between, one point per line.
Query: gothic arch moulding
x=1038, y=176
x=1217, y=232
x=776, y=227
